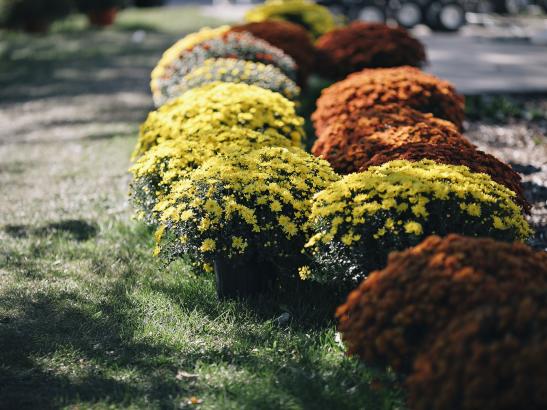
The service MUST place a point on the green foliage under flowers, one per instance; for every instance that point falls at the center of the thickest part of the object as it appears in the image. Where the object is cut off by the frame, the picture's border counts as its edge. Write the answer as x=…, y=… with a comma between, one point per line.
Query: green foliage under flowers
x=163, y=165
x=22, y=13
x=358, y=220
x=221, y=104
x=504, y=107
x=243, y=206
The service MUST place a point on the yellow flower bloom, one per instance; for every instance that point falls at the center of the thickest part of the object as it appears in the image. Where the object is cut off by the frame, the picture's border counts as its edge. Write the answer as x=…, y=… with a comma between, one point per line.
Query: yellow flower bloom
x=304, y=272
x=208, y=245
x=239, y=243
x=414, y=228
x=275, y=206
x=158, y=235
x=184, y=216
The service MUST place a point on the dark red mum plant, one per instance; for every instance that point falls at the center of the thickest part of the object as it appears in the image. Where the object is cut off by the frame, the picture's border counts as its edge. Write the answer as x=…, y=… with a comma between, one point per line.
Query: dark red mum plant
x=351, y=141
x=398, y=312
x=492, y=358
x=370, y=88
x=475, y=160
x=292, y=38
x=367, y=45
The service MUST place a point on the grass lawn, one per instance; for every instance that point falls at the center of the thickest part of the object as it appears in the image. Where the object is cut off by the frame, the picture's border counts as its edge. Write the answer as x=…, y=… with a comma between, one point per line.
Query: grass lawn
x=88, y=318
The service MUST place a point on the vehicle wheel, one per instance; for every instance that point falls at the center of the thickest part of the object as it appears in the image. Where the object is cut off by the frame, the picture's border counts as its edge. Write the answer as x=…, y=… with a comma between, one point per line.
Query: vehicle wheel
x=409, y=14
x=370, y=13
x=510, y=6
x=445, y=17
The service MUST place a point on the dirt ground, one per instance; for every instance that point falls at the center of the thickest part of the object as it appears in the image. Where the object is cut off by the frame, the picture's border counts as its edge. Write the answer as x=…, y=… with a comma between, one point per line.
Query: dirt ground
x=522, y=144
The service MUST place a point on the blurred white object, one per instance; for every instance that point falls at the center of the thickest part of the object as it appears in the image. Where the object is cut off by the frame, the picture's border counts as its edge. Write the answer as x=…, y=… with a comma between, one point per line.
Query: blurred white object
x=371, y=14
x=138, y=36
x=409, y=14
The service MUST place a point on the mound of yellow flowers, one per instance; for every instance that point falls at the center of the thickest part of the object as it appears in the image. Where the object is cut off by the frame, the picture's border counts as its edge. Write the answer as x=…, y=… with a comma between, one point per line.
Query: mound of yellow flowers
x=243, y=207
x=163, y=165
x=358, y=220
x=221, y=104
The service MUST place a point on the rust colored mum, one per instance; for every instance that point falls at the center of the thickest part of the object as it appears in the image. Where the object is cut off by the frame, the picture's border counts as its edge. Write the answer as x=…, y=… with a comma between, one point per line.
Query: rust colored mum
x=367, y=45
x=380, y=86
x=490, y=359
x=292, y=38
x=351, y=141
x=396, y=313
x=475, y=160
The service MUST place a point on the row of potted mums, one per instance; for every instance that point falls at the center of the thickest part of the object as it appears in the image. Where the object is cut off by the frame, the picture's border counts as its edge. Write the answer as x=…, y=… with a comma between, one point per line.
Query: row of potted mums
x=392, y=198
x=217, y=88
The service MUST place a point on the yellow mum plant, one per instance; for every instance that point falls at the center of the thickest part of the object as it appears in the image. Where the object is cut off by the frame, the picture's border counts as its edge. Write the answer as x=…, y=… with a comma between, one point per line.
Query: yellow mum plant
x=358, y=220
x=163, y=165
x=317, y=19
x=230, y=70
x=221, y=104
x=237, y=46
x=243, y=206
x=172, y=54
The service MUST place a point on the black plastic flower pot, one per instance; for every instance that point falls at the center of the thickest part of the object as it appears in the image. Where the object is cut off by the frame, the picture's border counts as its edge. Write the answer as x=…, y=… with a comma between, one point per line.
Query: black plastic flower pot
x=237, y=279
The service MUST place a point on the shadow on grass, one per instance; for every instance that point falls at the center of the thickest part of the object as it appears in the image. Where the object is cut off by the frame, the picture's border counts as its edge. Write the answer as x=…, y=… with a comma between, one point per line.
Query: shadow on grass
x=79, y=63
x=121, y=343
x=100, y=337
x=311, y=306
x=76, y=229
x=47, y=325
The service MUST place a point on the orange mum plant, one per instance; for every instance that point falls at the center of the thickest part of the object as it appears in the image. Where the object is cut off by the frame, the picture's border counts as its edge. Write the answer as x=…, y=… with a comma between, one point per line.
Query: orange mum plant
x=493, y=358
x=292, y=38
x=396, y=313
x=475, y=160
x=367, y=45
x=350, y=142
x=380, y=86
